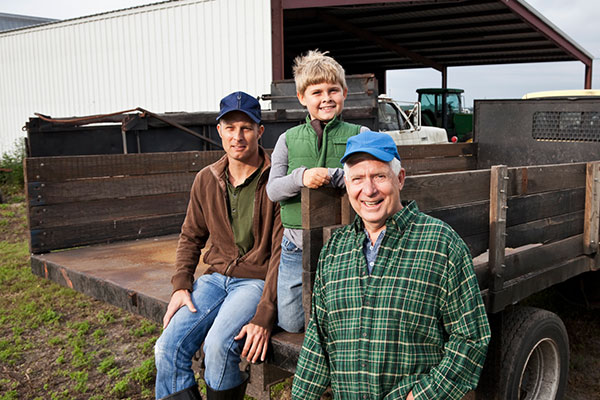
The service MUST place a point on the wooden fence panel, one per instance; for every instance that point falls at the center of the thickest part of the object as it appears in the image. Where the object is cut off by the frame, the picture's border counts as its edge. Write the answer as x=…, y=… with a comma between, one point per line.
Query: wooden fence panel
x=60, y=169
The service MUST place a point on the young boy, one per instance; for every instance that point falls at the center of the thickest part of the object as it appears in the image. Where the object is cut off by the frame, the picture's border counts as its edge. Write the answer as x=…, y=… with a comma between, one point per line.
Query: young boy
x=307, y=155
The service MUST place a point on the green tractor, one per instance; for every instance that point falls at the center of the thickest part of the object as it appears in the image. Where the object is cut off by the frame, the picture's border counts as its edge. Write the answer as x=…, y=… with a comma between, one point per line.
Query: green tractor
x=444, y=108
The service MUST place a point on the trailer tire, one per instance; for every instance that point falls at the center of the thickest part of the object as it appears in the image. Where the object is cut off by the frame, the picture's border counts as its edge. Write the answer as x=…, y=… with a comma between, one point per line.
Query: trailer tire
x=535, y=355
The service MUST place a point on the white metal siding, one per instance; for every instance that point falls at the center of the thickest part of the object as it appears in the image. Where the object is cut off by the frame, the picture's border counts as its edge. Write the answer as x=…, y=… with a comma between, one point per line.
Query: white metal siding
x=175, y=56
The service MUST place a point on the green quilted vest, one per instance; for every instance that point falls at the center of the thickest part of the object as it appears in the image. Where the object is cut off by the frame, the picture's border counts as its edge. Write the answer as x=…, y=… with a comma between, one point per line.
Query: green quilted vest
x=303, y=150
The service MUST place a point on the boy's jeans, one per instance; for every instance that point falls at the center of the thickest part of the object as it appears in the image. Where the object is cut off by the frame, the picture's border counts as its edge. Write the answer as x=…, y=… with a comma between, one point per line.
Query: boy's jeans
x=224, y=305
x=289, y=288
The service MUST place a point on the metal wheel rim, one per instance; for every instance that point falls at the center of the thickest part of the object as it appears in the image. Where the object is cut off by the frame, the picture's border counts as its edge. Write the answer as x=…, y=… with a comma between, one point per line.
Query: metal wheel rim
x=540, y=376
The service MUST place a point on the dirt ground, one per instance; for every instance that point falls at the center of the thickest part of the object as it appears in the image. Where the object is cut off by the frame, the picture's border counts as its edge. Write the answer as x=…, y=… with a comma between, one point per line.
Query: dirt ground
x=128, y=340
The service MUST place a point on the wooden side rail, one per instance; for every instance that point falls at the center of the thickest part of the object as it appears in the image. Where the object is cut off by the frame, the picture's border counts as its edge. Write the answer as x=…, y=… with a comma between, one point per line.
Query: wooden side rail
x=436, y=158
x=80, y=200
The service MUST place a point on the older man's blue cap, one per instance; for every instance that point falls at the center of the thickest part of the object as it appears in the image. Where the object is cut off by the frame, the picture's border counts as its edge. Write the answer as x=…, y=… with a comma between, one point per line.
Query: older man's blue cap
x=379, y=145
x=240, y=101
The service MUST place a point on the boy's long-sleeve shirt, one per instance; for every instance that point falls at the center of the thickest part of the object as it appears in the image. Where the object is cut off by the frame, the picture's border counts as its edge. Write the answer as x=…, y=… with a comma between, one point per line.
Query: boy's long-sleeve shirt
x=417, y=323
x=282, y=186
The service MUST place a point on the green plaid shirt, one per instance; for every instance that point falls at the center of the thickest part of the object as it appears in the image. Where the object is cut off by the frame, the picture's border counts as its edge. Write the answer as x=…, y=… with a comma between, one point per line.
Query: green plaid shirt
x=416, y=323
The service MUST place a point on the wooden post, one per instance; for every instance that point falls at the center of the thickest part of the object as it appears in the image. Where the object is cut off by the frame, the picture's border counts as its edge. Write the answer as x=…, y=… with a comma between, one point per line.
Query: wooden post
x=497, y=243
x=591, y=221
x=347, y=211
x=320, y=208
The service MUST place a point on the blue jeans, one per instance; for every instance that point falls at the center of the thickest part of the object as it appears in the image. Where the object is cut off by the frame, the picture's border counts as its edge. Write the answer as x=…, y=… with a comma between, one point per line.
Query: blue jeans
x=290, y=313
x=223, y=306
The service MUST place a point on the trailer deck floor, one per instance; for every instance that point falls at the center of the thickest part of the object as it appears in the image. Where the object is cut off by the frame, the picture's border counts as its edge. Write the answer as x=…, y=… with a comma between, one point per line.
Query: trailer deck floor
x=135, y=275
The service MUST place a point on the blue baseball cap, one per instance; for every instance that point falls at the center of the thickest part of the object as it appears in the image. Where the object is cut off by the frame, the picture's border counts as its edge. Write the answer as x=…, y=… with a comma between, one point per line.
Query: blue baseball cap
x=240, y=101
x=379, y=145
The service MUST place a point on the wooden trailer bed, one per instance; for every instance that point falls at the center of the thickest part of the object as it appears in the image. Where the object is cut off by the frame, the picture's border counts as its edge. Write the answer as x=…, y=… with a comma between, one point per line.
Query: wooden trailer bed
x=107, y=226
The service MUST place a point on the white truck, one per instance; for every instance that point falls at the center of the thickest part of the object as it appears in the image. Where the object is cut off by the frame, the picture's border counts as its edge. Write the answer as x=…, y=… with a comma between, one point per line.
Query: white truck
x=403, y=124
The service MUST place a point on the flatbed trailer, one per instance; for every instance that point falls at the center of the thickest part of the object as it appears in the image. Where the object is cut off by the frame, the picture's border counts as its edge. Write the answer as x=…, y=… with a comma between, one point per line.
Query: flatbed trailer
x=115, y=220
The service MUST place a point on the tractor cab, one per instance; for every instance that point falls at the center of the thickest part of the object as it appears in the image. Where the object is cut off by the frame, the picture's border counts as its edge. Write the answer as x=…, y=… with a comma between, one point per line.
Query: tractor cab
x=444, y=108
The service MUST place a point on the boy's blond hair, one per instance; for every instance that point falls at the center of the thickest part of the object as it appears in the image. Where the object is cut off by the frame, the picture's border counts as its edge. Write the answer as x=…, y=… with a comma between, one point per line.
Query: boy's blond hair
x=317, y=67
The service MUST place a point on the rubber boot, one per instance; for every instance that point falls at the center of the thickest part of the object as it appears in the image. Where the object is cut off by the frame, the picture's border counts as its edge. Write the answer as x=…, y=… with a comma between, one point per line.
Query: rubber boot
x=235, y=393
x=191, y=393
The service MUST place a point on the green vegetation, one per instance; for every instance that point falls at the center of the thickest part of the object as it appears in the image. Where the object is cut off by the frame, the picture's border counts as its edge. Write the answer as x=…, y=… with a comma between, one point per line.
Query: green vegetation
x=58, y=344
x=11, y=174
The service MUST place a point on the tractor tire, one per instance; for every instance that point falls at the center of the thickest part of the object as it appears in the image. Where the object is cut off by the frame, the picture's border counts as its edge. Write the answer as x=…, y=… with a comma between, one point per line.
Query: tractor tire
x=534, y=356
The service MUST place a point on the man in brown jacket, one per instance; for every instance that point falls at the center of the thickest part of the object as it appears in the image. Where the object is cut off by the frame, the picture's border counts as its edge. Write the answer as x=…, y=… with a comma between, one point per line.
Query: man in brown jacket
x=236, y=297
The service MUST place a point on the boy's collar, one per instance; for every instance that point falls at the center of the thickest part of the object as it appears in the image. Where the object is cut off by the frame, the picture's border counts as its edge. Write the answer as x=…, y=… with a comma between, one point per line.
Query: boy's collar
x=334, y=120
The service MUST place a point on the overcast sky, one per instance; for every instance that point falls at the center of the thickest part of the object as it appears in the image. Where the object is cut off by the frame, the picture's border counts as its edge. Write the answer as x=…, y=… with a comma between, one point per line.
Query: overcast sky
x=578, y=19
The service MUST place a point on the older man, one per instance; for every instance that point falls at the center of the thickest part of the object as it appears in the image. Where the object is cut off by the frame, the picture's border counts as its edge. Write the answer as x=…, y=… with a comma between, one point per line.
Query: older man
x=397, y=312
x=232, y=307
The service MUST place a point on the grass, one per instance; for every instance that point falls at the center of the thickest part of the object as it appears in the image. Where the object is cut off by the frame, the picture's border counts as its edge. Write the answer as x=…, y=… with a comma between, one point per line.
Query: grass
x=11, y=174
x=58, y=344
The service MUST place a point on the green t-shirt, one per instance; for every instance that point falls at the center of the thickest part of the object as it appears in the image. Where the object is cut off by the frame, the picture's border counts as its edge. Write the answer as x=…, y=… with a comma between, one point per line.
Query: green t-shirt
x=241, y=210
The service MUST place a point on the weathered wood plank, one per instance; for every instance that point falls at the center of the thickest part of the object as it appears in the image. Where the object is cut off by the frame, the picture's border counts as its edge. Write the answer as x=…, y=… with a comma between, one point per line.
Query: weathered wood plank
x=437, y=150
x=447, y=189
x=497, y=218
x=532, y=207
x=473, y=218
x=58, y=169
x=545, y=230
x=537, y=179
x=329, y=230
x=543, y=278
x=592, y=208
x=520, y=264
x=321, y=207
x=40, y=194
x=287, y=348
x=140, y=303
x=466, y=219
x=312, y=242
x=437, y=165
x=482, y=272
x=477, y=244
x=65, y=214
x=347, y=211
x=62, y=237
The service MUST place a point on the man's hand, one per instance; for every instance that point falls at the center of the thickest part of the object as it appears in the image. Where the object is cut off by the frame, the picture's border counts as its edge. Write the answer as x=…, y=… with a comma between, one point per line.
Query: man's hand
x=410, y=396
x=179, y=299
x=257, y=342
x=315, y=177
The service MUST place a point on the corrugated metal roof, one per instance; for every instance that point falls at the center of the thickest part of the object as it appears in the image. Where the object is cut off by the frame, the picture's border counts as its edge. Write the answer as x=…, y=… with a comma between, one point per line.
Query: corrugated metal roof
x=14, y=21
x=387, y=35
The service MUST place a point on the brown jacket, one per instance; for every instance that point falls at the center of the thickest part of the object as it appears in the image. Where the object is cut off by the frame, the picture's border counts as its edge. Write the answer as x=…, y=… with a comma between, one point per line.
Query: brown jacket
x=207, y=216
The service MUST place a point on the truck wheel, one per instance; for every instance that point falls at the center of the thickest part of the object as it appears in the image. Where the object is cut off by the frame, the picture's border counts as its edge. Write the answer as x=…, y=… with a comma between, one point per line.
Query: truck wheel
x=535, y=355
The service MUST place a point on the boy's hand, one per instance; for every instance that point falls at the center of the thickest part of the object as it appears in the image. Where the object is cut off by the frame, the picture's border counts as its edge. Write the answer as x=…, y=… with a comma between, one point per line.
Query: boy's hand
x=315, y=177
